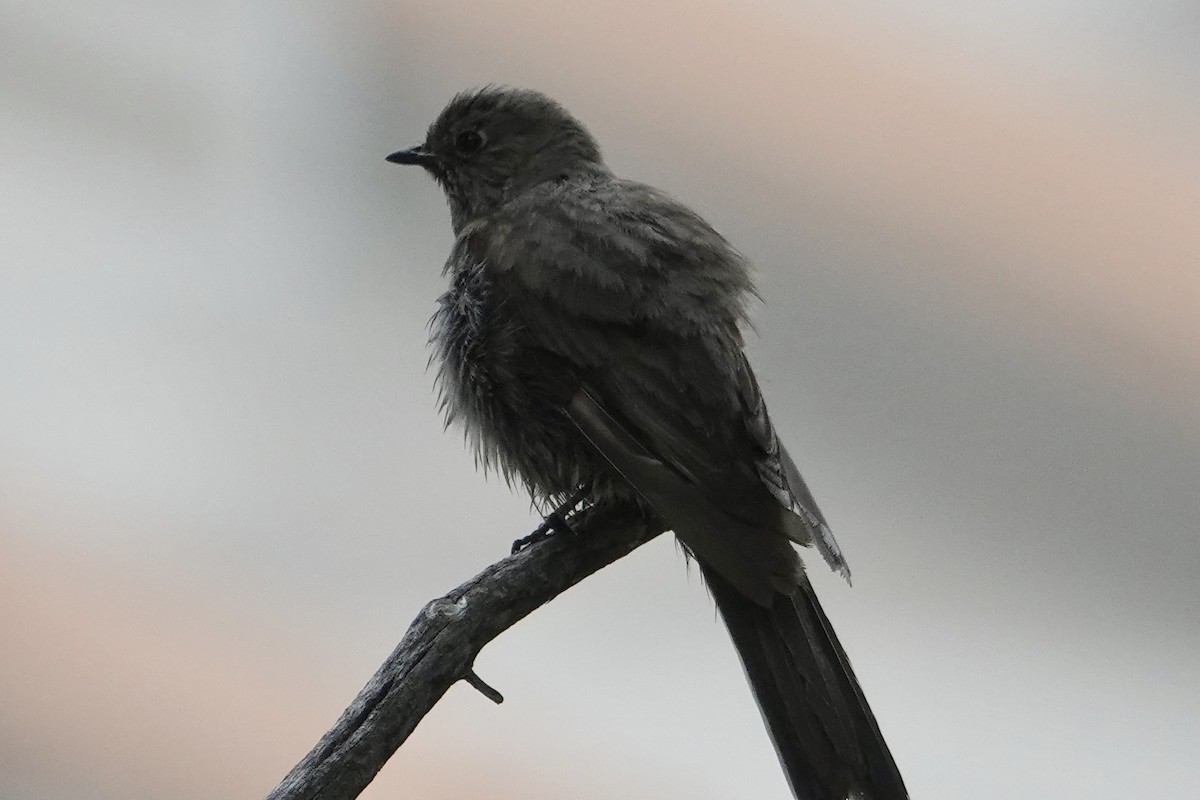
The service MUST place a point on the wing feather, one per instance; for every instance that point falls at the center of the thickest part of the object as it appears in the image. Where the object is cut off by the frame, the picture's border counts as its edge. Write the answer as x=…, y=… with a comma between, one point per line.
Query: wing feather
x=645, y=308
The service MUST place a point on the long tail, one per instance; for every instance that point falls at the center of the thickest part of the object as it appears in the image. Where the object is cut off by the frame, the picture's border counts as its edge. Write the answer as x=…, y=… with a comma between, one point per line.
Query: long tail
x=824, y=732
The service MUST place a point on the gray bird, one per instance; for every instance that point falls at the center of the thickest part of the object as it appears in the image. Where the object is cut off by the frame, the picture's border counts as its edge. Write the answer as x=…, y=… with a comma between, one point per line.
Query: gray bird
x=590, y=346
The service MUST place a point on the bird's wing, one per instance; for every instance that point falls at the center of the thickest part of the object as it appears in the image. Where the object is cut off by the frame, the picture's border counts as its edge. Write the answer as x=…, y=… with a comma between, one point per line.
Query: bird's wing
x=780, y=475
x=640, y=301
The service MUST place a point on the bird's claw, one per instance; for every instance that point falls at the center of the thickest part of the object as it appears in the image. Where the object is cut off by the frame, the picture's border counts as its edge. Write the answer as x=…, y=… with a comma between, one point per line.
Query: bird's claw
x=555, y=522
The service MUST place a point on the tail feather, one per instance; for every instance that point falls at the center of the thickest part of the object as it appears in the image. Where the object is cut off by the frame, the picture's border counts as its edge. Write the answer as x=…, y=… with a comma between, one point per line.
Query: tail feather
x=824, y=732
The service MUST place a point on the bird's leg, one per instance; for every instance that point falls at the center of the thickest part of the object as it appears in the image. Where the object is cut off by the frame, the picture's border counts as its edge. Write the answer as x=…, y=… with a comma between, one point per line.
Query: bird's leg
x=556, y=520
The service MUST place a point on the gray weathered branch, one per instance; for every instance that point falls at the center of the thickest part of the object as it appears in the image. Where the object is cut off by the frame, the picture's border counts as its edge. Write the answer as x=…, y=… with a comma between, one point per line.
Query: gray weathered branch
x=440, y=648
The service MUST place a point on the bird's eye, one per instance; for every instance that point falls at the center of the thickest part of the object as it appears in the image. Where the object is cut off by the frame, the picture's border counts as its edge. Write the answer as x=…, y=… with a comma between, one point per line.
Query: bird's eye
x=468, y=142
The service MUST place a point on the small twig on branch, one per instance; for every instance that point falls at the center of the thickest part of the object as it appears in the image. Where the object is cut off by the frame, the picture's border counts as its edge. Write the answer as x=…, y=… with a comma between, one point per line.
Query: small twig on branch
x=440, y=648
x=482, y=687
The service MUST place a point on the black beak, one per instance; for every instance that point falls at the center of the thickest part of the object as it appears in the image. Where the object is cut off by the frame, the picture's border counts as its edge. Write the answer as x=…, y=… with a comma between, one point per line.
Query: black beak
x=413, y=155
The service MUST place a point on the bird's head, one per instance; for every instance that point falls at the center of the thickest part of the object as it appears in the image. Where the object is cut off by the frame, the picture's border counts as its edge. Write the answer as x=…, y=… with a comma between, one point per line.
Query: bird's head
x=489, y=145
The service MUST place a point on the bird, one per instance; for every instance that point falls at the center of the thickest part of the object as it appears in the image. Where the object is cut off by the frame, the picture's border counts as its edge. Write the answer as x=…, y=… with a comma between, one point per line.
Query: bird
x=590, y=346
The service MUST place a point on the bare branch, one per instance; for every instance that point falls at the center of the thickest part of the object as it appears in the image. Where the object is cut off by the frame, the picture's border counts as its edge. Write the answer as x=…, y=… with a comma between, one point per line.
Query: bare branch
x=441, y=645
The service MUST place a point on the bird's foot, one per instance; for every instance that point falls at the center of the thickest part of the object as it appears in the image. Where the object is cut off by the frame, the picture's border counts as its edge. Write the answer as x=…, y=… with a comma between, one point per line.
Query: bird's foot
x=553, y=522
x=557, y=521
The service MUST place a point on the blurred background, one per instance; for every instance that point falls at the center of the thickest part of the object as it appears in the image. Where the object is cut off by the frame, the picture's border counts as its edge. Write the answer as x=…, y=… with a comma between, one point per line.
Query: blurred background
x=224, y=487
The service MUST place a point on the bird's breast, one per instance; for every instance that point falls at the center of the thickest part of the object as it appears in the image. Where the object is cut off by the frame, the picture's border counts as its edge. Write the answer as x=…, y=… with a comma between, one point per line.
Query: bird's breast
x=490, y=383
x=474, y=345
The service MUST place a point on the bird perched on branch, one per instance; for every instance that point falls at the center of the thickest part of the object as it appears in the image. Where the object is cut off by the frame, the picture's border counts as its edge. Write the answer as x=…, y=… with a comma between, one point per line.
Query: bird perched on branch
x=590, y=346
